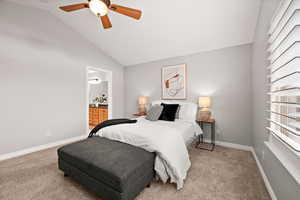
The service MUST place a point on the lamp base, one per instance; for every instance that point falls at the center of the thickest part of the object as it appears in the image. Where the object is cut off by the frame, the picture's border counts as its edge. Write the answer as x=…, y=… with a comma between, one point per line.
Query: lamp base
x=142, y=110
x=205, y=114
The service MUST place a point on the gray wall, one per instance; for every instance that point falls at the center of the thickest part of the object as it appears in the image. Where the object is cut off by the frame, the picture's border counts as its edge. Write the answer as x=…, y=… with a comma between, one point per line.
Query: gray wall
x=223, y=74
x=283, y=184
x=43, y=78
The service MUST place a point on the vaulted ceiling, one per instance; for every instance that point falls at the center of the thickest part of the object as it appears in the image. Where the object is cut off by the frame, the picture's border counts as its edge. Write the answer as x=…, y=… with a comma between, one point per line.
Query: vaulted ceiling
x=168, y=28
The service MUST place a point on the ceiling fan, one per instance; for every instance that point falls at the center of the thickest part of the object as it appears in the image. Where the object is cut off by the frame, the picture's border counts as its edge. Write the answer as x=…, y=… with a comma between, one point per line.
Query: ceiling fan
x=100, y=8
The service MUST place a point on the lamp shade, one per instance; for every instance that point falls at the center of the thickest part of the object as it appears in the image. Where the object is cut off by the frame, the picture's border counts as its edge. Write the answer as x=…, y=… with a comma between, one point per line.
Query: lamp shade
x=143, y=100
x=204, y=102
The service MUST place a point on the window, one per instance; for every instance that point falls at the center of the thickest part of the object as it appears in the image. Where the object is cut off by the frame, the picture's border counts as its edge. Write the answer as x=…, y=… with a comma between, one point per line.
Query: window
x=284, y=75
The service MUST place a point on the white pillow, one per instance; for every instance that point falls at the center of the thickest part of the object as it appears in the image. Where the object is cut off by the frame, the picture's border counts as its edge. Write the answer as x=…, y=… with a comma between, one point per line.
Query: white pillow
x=187, y=112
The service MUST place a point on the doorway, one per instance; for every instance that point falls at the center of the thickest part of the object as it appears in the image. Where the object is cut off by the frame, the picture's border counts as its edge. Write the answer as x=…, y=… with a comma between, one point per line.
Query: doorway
x=99, y=96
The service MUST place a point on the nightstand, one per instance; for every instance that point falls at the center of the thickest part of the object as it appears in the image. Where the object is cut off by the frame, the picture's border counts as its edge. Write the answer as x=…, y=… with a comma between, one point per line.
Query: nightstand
x=201, y=123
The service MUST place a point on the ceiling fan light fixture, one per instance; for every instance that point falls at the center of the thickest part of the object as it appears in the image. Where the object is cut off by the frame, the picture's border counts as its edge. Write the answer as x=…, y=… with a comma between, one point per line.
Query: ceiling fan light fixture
x=98, y=7
x=94, y=80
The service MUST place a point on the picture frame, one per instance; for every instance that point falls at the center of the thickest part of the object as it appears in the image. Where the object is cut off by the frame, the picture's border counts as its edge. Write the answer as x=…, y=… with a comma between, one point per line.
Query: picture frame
x=173, y=82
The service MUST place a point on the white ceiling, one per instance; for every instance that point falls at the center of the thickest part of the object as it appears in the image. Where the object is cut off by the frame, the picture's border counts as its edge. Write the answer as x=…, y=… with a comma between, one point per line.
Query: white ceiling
x=168, y=28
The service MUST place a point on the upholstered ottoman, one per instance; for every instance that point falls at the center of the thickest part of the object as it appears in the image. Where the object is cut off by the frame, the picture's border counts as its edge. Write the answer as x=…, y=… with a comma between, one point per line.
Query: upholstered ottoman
x=113, y=170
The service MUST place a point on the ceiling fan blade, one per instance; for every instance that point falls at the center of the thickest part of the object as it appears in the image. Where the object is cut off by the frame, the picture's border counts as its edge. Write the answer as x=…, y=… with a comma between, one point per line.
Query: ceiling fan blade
x=105, y=21
x=136, y=14
x=74, y=7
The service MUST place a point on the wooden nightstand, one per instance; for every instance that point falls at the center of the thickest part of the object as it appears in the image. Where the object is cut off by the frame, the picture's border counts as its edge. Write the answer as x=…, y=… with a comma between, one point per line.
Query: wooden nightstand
x=139, y=114
x=201, y=123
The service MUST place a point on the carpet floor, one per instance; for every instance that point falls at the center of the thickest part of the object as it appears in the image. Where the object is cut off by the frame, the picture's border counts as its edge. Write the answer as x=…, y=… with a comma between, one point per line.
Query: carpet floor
x=224, y=174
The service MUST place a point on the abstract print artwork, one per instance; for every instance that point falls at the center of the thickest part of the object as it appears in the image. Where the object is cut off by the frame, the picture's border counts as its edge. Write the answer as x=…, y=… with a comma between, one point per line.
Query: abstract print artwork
x=174, y=82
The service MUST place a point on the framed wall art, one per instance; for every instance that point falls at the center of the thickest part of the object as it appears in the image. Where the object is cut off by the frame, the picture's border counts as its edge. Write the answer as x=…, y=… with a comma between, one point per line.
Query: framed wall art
x=174, y=82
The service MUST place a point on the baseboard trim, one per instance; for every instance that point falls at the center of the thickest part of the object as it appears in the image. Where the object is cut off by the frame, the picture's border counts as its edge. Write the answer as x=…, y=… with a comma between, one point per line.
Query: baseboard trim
x=232, y=145
x=40, y=147
x=264, y=176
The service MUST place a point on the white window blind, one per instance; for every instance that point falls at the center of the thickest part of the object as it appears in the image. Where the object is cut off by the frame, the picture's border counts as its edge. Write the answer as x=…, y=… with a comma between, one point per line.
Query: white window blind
x=284, y=74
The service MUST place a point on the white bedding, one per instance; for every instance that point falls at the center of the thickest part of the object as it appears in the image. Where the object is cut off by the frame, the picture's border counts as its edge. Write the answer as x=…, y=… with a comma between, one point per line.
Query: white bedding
x=189, y=130
x=167, y=139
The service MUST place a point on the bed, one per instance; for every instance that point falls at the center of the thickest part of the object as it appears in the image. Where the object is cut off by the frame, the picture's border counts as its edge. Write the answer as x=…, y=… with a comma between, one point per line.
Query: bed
x=168, y=139
x=122, y=160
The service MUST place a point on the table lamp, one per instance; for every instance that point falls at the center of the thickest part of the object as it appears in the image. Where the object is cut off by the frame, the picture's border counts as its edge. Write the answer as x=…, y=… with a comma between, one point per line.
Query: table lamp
x=205, y=104
x=143, y=100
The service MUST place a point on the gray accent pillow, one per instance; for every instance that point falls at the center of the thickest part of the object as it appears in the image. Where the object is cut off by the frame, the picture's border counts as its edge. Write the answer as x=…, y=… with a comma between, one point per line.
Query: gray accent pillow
x=177, y=113
x=154, y=112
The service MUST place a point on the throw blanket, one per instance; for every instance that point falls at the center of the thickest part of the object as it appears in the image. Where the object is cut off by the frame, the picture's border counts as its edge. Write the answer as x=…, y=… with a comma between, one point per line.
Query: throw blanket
x=110, y=123
x=172, y=160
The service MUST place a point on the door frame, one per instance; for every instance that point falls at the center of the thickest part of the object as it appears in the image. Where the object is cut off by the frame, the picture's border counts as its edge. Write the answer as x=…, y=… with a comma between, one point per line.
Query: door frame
x=110, y=102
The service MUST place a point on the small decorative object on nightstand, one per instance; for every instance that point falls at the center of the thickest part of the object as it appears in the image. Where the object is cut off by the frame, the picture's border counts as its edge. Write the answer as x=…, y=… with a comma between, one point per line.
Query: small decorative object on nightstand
x=201, y=143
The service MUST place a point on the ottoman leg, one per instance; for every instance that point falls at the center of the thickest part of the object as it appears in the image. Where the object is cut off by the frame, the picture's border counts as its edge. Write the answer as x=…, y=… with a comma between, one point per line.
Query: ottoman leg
x=149, y=185
x=66, y=175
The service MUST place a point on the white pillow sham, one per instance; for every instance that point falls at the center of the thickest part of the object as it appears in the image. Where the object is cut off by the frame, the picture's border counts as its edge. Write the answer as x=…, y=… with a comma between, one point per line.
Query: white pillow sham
x=187, y=112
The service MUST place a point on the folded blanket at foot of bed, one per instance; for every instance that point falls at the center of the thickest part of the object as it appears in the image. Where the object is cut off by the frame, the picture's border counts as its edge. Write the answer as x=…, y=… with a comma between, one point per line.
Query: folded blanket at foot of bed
x=113, y=170
x=110, y=122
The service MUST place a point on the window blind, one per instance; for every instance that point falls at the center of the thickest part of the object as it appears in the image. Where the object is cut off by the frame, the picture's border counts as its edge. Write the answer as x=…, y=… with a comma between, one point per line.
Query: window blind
x=284, y=74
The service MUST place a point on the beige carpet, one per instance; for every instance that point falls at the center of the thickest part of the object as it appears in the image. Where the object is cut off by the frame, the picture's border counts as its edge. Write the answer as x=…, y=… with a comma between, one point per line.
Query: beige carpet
x=225, y=174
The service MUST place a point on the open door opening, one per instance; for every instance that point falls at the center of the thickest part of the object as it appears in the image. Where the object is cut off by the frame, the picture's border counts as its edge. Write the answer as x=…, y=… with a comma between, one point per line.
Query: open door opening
x=99, y=96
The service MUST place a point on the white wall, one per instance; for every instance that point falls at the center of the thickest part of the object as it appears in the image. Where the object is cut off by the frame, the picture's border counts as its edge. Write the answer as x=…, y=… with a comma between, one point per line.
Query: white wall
x=223, y=74
x=284, y=186
x=43, y=78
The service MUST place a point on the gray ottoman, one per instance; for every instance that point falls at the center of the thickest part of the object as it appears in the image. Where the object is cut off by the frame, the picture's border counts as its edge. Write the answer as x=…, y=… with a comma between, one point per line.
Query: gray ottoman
x=113, y=170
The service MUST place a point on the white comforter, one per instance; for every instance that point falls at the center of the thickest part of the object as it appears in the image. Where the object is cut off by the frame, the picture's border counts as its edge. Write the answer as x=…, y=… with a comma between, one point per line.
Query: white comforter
x=172, y=159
